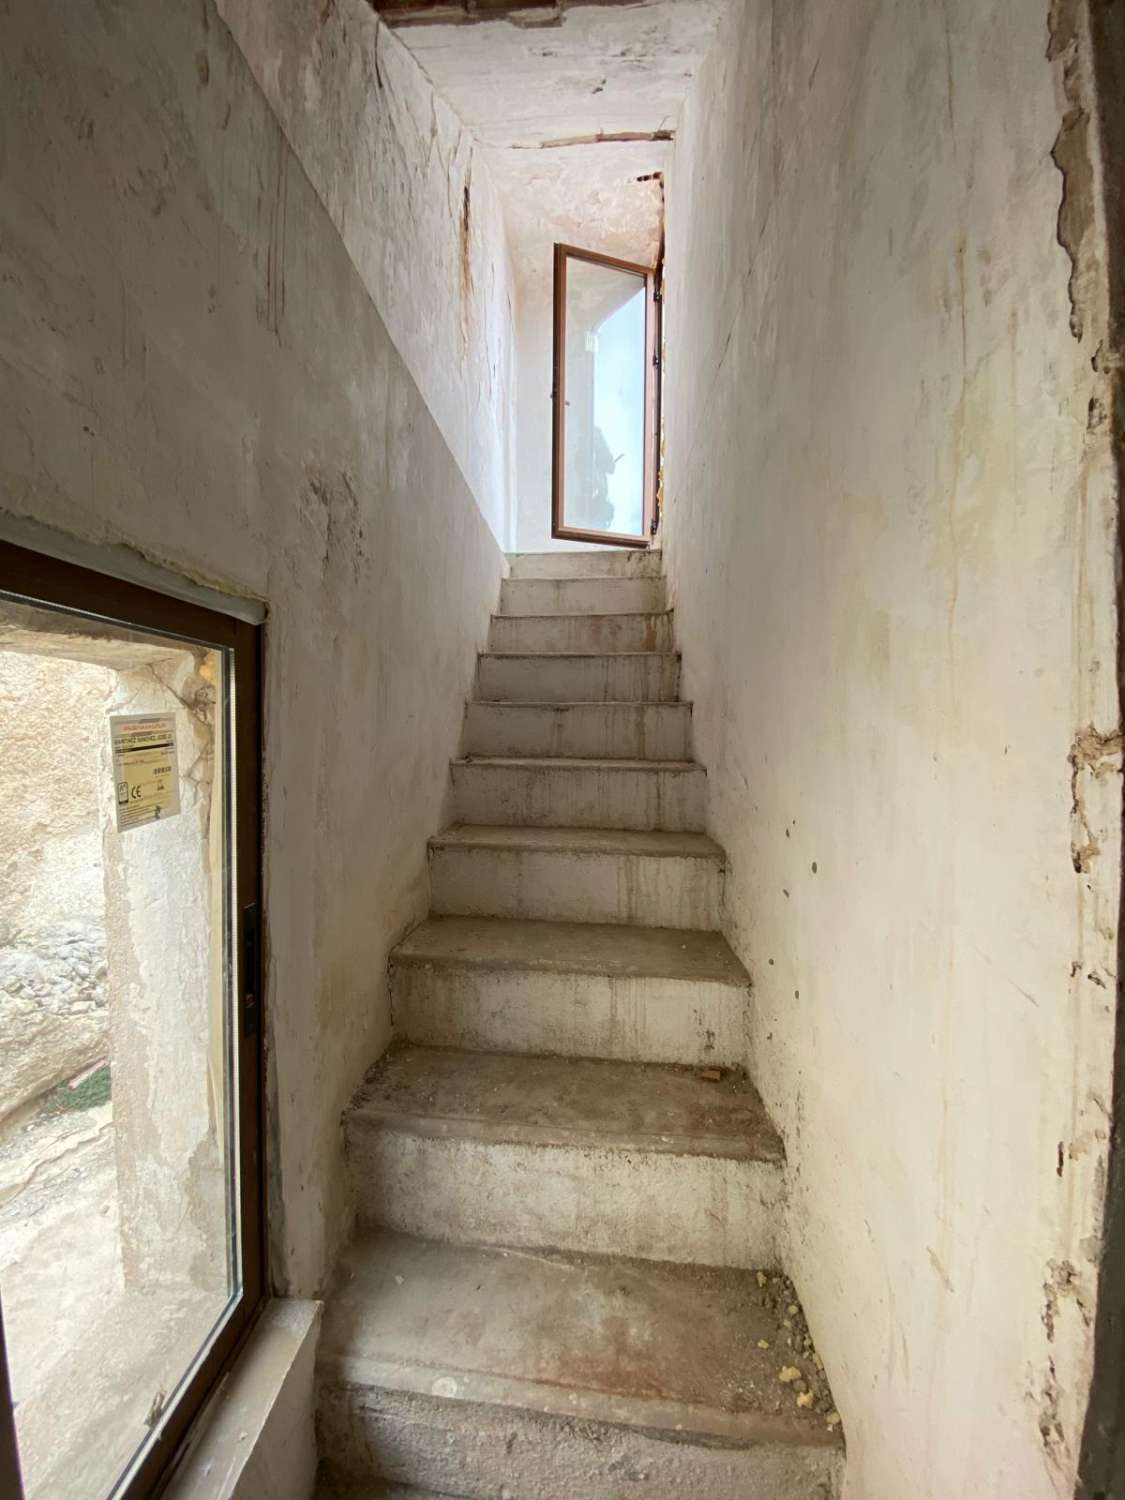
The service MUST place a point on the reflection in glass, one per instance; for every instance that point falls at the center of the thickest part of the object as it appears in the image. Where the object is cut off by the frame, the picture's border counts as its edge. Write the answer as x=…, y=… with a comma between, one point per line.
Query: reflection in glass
x=117, y=1177
x=604, y=382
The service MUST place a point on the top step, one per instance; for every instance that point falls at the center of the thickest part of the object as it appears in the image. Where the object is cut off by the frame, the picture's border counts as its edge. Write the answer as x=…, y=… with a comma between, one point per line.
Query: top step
x=599, y=562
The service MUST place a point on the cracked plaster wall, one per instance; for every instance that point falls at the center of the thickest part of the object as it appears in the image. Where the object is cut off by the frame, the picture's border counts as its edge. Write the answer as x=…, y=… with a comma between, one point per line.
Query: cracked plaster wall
x=890, y=531
x=416, y=207
x=191, y=365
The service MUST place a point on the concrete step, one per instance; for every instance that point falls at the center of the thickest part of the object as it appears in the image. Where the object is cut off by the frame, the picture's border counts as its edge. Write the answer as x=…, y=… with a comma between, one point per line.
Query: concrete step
x=639, y=994
x=333, y=1484
x=553, y=1376
x=567, y=634
x=578, y=875
x=596, y=731
x=543, y=792
x=609, y=1157
x=597, y=562
x=581, y=596
x=518, y=677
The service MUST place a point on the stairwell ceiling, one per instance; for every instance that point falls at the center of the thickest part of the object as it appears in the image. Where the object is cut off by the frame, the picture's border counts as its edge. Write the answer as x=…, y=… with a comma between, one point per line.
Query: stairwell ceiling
x=575, y=103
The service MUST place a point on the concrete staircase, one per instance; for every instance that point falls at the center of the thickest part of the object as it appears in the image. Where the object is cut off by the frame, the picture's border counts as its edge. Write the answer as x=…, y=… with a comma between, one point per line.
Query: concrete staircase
x=566, y=1284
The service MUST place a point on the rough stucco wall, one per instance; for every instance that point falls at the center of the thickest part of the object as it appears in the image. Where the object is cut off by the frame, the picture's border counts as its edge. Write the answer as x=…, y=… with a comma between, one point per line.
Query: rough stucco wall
x=189, y=363
x=53, y=1013
x=52, y=717
x=889, y=532
x=416, y=207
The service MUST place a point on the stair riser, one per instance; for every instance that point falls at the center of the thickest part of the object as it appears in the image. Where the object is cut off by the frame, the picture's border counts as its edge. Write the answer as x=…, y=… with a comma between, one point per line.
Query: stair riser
x=578, y=679
x=580, y=797
x=559, y=633
x=601, y=731
x=580, y=596
x=604, y=562
x=563, y=886
x=710, y=1211
x=570, y=1015
x=335, y=1484
x=482, y=1452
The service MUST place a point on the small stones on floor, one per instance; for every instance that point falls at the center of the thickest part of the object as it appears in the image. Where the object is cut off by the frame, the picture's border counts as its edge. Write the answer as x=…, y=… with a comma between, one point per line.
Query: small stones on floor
x=803, y=1371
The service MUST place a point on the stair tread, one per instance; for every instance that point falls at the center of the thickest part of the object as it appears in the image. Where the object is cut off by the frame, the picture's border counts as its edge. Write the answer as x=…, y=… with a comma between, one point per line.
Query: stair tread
x=603, y=551
x=563, y=703
x=585, y=554
x=577, y=655
x=616, y=950
x=575, y=762
x=583, y=614
x=578, y=840
x=668, y=1348
x=567, y=1101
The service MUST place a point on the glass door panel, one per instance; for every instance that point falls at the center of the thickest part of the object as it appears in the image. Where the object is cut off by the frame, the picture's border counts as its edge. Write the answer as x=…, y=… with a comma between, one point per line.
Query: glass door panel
x=122, y=1250
x=604, y=457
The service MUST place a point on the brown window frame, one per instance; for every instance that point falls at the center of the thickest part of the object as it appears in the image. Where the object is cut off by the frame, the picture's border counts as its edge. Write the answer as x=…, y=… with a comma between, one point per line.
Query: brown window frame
x=35, y=578
x=559, y=530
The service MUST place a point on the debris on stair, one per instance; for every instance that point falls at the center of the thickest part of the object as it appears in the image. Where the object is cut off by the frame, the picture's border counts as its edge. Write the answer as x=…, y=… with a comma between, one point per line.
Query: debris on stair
x=801, y=1369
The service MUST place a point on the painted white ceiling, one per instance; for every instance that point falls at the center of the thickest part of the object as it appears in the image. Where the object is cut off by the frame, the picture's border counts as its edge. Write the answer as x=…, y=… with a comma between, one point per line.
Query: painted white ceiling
x=572, y=106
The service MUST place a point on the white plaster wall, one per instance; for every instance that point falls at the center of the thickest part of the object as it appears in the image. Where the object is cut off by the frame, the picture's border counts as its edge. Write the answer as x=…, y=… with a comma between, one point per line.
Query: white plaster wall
x=190, y=364
x=415, y=204
x=889, y=538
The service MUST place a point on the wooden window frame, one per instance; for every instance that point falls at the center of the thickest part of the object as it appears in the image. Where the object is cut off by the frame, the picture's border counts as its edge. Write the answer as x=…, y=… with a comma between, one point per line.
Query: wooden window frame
x=559, y=530
x=33, y=578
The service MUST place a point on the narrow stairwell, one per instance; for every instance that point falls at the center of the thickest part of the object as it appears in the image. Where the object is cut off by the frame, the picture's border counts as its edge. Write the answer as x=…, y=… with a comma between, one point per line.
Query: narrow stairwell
x=566, y=1284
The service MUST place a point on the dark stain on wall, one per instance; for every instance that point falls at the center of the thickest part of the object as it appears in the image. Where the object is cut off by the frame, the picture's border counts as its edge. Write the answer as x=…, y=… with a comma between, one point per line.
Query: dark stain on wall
x=1101, y=1468
x=467, y=250
x=1071, y=151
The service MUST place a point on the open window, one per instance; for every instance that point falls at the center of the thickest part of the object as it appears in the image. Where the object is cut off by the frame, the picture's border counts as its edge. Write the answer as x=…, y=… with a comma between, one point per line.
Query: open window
x=131, y=1243
x=605, y=392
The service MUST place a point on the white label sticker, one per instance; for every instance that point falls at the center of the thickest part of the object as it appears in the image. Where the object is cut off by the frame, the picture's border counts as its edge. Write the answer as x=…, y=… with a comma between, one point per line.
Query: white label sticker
x=146, y=773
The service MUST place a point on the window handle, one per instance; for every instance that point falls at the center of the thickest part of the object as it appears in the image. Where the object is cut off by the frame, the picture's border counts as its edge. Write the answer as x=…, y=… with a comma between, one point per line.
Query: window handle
x=251, y=968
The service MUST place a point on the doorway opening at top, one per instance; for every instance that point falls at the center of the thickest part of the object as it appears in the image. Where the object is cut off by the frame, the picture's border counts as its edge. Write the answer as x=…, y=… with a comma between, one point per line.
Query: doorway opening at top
x=605, y=453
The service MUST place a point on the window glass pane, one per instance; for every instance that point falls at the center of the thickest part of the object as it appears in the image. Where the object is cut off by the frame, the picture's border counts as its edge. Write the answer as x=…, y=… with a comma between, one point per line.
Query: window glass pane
x=604, y=381
x=118, y=1233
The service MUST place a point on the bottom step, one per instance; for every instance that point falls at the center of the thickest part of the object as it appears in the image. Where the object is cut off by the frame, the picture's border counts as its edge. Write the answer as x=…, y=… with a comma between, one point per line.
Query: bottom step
x=330, y=1486
x=540, y=1376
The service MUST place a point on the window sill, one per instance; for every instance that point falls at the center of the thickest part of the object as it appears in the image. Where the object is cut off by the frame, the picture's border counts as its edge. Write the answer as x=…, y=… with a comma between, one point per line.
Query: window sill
x=255, y=1438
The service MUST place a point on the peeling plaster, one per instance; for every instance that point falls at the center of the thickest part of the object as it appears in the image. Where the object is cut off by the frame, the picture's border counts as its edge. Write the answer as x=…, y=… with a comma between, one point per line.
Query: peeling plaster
x=416, y=206
x=897, y=618
x=576, y=126
x=1092, y=755
x=603, y=93
x=1071, y=153
x=193, y=369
